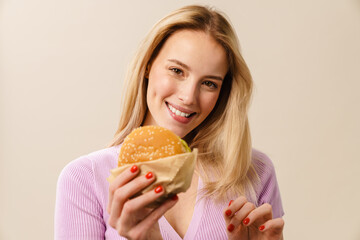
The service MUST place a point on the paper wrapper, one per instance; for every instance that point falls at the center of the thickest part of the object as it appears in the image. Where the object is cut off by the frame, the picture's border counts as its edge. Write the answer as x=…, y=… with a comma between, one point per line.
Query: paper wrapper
x=174, y=173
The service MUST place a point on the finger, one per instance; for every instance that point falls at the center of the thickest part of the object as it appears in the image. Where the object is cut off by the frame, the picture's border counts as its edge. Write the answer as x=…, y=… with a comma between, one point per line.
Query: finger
x=135, y=210
x=233, y=207
x=146, y=224
x=237, y=219
x=275, y=225
x=119, y=181
x=143, y=200
x=123, y=193
x=259, y=215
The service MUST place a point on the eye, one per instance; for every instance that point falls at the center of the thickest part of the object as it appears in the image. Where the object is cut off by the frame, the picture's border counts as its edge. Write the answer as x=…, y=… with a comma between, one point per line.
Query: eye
x=210, y=84
x=177, y=71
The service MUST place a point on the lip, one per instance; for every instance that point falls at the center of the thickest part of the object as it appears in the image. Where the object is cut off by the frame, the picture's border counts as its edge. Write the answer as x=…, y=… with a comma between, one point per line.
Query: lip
x=180, y=108
x=180, y=118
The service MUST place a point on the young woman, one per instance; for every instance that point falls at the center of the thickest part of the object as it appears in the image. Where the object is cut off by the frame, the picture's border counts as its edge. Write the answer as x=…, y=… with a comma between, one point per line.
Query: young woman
x=188, y=76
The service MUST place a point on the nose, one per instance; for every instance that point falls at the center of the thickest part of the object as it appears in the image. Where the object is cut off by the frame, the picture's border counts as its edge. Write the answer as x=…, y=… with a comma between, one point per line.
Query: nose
x=188, y=92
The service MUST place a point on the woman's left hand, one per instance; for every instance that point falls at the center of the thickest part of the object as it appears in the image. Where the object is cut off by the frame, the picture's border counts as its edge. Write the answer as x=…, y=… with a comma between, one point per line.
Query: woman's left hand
x=245, y=221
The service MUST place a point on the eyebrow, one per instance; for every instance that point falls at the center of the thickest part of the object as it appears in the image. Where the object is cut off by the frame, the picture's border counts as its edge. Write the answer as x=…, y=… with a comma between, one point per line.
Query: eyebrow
x=188, y=68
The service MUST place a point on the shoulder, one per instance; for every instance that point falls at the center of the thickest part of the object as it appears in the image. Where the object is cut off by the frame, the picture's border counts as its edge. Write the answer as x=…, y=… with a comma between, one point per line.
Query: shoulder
x=89, y=167
x=100, y=158
x=262, y=163
x=267, y=190
x=81, y=195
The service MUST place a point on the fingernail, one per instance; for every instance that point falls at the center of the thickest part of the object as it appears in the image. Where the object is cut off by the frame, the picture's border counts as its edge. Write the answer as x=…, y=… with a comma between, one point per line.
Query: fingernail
x=262, y=227
x=133, y=168
x=230, y=228
x=149, y=175
x=230, y=202
x=228, y=212
x=158, y=189
x=246, y=221
x=175, y=197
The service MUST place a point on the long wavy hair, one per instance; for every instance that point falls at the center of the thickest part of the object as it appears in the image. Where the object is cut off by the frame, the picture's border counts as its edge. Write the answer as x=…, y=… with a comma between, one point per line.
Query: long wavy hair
x=223, y=138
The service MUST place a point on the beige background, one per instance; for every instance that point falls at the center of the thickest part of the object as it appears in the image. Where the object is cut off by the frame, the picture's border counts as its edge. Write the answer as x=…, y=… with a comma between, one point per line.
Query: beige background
x=62, y=64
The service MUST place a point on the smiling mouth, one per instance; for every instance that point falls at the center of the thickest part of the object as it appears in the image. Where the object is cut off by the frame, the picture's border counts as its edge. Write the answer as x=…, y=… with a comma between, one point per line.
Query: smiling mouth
x=177, y=112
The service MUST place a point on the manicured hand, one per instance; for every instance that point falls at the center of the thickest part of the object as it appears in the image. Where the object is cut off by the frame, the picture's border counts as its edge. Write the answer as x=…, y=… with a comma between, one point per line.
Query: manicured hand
x=245, y=221
x=130, y=216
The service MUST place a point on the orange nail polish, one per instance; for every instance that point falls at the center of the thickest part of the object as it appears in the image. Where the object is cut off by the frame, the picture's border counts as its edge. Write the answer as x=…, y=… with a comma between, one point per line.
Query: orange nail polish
x=149, y=175
x=246, y=221
x=158, y=189
x=231, y=202
x=228, y=212
x=133, y=168
x=231, y=227
x=262, y=227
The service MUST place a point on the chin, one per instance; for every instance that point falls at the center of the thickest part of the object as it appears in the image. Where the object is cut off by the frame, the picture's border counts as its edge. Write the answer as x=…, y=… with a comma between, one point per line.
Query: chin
x=177, y=130
x=180, y=132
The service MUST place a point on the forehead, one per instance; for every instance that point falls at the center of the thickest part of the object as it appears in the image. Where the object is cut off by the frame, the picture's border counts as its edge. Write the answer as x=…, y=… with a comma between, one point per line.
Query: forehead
x=195, y=48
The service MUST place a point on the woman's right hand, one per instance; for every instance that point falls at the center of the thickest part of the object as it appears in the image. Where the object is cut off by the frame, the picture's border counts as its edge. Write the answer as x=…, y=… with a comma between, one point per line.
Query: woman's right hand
x=130, y=217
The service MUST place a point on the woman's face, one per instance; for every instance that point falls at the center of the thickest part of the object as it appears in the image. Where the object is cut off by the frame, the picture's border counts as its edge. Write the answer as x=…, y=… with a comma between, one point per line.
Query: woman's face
x=185, y=80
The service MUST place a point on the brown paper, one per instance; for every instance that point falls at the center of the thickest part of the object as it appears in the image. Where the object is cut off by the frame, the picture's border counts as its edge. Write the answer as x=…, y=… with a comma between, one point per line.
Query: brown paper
x=174, y=173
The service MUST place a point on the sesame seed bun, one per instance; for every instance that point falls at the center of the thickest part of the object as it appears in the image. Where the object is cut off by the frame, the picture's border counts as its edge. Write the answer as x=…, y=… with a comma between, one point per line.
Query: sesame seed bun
x=150, y=143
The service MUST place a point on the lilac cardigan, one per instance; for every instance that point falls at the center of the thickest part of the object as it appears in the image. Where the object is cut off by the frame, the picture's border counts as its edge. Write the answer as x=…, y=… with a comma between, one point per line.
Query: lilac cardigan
x=82, y=195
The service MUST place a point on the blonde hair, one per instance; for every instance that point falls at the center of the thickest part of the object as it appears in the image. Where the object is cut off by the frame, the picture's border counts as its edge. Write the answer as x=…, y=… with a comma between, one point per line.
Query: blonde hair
x=223, y=138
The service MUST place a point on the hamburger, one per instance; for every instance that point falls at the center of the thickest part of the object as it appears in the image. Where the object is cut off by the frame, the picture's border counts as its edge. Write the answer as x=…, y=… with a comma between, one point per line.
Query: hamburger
x=150, y=143
x=159, y=150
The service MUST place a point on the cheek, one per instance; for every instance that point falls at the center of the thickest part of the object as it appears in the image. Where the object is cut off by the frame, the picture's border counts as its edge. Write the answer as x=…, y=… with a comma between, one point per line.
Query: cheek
x=160, y=86
x=208, y=102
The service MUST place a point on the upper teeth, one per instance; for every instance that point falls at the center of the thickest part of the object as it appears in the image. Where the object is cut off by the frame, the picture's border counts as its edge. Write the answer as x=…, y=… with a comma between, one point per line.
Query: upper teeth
x=177, y=112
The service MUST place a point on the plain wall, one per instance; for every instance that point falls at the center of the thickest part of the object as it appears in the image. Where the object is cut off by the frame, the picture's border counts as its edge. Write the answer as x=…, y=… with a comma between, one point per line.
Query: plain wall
x=61, y=68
